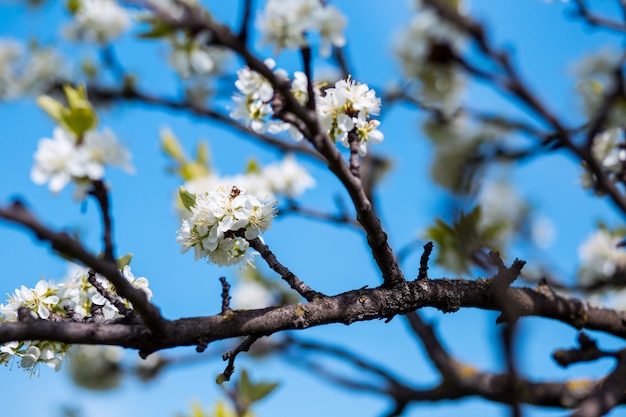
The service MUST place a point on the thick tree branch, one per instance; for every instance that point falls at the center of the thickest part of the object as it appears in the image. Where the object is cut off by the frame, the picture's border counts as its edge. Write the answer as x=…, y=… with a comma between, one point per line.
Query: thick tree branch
x=357, y=305
x=71, y=248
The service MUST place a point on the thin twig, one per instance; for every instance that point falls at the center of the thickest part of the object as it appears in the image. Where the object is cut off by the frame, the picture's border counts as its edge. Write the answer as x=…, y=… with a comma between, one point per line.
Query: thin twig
x=100, y=192
x=289, y=277
x=232, y=354
x=113, y=299
x=423, y=271
x=225, y=296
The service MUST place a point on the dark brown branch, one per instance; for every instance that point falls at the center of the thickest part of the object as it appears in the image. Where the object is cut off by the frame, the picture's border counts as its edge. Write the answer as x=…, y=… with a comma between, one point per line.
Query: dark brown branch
x=72, y=249
x=447, y=366
x=587, y=352
x=101, y=93
x=468, y=382
x=101, y=194
x=225, y=296
x=308, y=71
x=289, y=277
x=595, y=20
x=357, y=305
x=355, y=164
x=608, y=395
x=423, y=271
x=232, y=354
x=512, y=83
x=114, y=300
x=339, y=219
x=245, y=21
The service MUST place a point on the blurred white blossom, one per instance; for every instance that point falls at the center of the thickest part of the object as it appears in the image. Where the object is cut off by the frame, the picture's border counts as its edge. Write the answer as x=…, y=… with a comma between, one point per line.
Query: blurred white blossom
x=283, y=178
x=609, y=149
x=250, y=295
x=418, y=47
x=27, y=70
x=596, y=78
x=192, y=57
x=286, y=24
x=600, y=257
x=96, y=367
x=98, y=21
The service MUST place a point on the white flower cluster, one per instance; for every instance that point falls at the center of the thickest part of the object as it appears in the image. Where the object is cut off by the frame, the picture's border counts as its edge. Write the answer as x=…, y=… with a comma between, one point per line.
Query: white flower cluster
x=254, y=100
x=250, y=294
x=214, y=229
x=192, y=57
x=344, y=108
x=347, y=107
x=609, y=149
x=286, y=177
x=23, y=72
x=98, y=21
x=600, y=257
x=596, y=78
x=287, y=23
x=457, y=141
x=64, y=158
x=47, y=299
x=418, y=48
x=96, y=367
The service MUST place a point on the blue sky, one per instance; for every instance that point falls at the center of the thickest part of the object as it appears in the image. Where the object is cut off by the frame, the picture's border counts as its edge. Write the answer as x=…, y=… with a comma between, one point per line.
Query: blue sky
x=546, y=45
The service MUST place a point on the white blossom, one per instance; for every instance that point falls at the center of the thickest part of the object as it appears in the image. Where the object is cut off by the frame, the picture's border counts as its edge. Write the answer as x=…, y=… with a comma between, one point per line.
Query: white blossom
x=63, y=158
x=609, y=149
x=192, y=57
x=75, y=294
x=600, y=257
x=219, y=221
x=98, y=21
x=27, y=70
x=439, y=82
x=285, y=24
x=250, y=295
x=57, y=160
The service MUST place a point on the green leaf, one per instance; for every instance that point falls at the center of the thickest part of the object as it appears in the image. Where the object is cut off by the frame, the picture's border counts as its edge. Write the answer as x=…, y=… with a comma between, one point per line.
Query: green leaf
x=192, y=170
x=51, y=106
x=202, y=154
x=249, y=392
x=252, y=167
x=124, y=260
x=459, y=242
x=188, y=199
x=158, y=30
x=79, y=120
x=73, y=6
x=171, y=146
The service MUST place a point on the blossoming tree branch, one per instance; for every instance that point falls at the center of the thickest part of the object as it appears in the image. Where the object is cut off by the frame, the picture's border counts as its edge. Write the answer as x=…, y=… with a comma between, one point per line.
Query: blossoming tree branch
x=335, y=121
